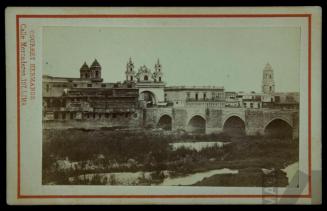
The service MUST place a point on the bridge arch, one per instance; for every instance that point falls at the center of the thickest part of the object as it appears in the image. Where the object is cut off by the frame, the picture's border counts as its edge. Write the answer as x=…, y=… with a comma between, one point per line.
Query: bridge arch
x=149, y=97
x=197, y=124
x=235, y=115
x=234, y=125
x=278, y=128
x=165, y=122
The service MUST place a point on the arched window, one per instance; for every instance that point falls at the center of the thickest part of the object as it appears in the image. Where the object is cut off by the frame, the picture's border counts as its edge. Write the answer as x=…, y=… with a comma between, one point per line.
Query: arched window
x=145, y=77
x=196, y=96
x=131, y=78
x=159, y=79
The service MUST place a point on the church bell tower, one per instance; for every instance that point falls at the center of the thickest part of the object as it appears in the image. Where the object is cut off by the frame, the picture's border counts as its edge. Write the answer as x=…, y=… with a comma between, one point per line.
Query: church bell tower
x=268, y=83
x=130, y=73
x=157, y=75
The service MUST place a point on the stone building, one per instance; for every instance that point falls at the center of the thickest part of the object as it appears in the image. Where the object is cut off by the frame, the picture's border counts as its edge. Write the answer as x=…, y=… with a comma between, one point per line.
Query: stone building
x=150, y=84
x=88, y=98
x=203, y=96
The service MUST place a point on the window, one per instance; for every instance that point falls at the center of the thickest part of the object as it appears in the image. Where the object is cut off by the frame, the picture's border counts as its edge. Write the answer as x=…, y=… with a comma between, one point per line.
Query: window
x=131, y=78
x=47, y=88
x=75, y=85
x=204, y=96
x=188, y=95
x=93, y=115
x=244, y=104
x=56, y=115
x=270, y=89
x=196, y=96
x=113, y=115
x=87, y=75
x=106, y=115
x=103, y=85
x=251, y=105
x=159, y=79
x=89, y=85
x=96, y=74
x=71, y=115
x=63, y=115
x=146, y=78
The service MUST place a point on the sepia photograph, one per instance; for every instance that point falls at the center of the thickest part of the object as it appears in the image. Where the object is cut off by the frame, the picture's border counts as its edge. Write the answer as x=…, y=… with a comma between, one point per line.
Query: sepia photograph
x=170, y=106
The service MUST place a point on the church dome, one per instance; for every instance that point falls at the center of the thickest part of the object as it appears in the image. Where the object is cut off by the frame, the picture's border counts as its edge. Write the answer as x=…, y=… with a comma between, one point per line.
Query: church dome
x=84, y=67
x=95, y=64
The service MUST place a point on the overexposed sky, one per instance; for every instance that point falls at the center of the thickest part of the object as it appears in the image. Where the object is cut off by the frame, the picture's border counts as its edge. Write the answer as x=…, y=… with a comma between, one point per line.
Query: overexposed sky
x=229, y=57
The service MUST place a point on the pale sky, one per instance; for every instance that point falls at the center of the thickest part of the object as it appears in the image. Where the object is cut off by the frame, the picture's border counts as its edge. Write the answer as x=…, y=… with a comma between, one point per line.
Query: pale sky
x=229, y=57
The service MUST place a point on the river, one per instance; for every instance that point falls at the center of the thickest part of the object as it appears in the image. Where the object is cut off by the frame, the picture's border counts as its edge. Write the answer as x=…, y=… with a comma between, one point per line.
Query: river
x=198, y=146
x=196, y=177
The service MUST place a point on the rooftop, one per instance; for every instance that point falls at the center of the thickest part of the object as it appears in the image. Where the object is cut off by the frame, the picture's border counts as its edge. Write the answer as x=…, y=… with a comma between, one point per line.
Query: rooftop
x=194, y=87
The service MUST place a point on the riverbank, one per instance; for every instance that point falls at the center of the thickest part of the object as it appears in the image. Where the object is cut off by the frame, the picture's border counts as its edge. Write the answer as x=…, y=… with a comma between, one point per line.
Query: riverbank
x=72, y=153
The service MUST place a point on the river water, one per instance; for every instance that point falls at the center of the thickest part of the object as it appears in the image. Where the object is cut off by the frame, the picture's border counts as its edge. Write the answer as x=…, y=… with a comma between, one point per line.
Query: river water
x=133, y=178
x=198, y=146
x=196, y=177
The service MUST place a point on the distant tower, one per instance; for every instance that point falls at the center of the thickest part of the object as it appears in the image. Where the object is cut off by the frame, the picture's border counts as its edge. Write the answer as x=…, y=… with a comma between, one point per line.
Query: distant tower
x=95, y=71
x=130, y=73
x=268, y=84
x=84, y=71
x=157, y=75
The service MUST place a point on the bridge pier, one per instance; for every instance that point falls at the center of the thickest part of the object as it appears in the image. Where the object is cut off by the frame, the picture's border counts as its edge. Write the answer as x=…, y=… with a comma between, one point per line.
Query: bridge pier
x=210, y=130
x=253, y=131
x=295, y=133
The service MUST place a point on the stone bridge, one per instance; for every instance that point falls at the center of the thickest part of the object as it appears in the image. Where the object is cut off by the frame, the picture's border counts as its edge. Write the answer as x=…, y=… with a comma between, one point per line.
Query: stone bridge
x=230, y=120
